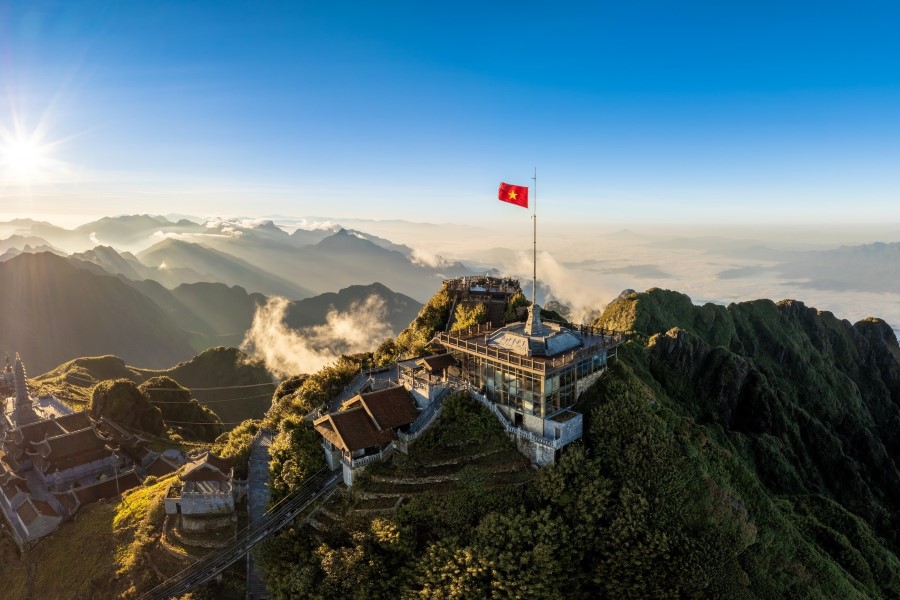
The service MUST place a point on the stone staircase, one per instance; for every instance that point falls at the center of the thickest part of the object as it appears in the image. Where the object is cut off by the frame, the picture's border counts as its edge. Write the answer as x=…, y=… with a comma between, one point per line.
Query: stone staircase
x=258, y=495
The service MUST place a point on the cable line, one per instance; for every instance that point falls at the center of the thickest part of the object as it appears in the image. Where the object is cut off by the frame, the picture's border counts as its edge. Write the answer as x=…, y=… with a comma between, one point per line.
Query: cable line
x=193, y=389
x=209, y=401
x=168, y=422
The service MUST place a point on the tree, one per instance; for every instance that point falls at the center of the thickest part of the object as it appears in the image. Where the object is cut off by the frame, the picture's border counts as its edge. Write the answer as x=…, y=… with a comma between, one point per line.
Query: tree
x=122, y=401
x=468, y=317
x=187, y=415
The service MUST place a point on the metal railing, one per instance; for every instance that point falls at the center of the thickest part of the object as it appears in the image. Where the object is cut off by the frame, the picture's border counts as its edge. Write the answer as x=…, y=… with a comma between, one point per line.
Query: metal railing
x=542, y=365
x=555, y=444
x=356, y=463
x=426, y=418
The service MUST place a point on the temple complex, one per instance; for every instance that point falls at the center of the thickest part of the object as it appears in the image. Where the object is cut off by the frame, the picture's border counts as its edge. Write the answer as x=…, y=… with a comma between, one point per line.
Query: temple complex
x=54, y=460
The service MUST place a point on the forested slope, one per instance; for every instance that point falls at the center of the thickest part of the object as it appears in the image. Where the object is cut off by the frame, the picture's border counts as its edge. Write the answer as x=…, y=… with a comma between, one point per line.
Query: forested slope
x=730, y=452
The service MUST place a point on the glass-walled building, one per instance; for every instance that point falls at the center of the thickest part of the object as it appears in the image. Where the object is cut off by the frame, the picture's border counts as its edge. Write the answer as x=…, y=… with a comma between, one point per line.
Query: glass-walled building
x=533, y=371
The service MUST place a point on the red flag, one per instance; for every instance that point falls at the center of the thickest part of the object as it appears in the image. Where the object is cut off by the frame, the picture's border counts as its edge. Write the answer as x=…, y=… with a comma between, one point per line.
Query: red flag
x=514, y=194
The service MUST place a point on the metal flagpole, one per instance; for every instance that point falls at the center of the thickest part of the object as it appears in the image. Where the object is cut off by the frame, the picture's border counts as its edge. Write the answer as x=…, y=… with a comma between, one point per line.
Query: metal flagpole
x=534, y=227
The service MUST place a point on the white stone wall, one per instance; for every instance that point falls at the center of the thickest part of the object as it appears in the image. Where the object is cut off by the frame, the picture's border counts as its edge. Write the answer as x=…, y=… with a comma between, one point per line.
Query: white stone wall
x=207, y=504
x=332, y=455
x=349, y=474
x=172, y=506
x=538, y=453
x=567, y=429
x=582, y=384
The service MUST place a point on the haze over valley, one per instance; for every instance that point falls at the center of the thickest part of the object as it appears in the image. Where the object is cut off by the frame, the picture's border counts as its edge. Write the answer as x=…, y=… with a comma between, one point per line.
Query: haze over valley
x=378, y=301
x=205, y=279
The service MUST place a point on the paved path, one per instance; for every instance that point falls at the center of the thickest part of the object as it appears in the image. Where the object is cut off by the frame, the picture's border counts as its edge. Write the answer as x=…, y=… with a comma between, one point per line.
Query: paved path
x=258, y=495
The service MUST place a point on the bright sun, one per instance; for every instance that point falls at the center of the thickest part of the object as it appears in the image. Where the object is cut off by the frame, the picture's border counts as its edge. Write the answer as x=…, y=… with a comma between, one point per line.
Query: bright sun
x=23, y=160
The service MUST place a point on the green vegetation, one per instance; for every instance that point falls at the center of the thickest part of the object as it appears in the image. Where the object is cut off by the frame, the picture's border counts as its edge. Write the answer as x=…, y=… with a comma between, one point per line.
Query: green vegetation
x=518, y=300
x=122, y=401
x=110, y=550
x=184, y=414
x=219, y=367
x=431, y=319
x=468, y=316
x=476, y=472
x=739, y=452
x=747, y=451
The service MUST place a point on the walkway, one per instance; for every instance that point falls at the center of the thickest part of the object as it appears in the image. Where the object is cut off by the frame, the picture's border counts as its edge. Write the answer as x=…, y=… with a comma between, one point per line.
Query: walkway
x=258, y=495
x=273, y=521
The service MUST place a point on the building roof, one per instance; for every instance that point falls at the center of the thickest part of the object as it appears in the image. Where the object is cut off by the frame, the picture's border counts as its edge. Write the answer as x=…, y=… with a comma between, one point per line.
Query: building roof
x=31, y=509
x=352, y=430
x=44, y=508
x=69, y=501
x=161, y=467
x=389, y=408
x=74, y=421
x=14, y=487
x=27, y=512
x=368, y=420
x=535, y=338
x=107, y=488
x=37, y=431
x=436, y=364
x=208, y=467
x=70, y=444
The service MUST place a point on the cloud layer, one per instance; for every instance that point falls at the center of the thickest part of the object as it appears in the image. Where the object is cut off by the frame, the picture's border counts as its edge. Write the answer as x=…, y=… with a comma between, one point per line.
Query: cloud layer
x=287, y=351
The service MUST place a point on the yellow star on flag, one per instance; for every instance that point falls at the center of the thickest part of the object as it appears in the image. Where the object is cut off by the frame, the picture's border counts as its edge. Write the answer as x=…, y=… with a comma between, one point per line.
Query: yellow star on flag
x=512, y=194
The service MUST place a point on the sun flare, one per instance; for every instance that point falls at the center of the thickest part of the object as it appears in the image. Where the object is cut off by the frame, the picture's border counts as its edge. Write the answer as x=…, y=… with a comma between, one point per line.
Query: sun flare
x=23, y=160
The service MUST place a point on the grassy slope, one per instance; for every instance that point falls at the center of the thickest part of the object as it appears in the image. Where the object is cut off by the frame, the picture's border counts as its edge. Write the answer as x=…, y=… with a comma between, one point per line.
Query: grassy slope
x=101, y=554
x=216, y=367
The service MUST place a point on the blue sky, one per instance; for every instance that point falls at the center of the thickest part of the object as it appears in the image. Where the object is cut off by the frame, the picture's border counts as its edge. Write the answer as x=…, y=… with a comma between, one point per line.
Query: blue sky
x=631, y=111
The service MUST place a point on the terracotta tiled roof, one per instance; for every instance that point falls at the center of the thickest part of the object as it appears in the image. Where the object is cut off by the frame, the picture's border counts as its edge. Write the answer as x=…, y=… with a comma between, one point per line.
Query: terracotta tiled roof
x=44, y=508
x=70, y=444
x=69, y=450
x=27, y=512
x=389, y=409
x=352, y=430
x=69, y=502
x=107, y=488
x=203, y=472
x=223, y=464
x=208, y=467
x=75, y=421
x=53, y=464
x=161, y=467
x=14, y=487
x=35, y=432
x=438, y=363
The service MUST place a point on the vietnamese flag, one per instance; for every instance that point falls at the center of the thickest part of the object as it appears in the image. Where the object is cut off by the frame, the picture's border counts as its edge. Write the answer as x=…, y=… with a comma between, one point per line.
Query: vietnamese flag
x=514, y=194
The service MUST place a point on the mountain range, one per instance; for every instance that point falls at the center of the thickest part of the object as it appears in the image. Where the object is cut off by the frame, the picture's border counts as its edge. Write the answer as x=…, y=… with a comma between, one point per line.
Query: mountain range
x=57, y=308
x=254, y=254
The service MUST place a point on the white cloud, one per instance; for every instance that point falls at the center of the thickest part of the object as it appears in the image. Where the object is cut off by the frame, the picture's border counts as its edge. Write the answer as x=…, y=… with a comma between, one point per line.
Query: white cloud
x=287, y=351
x=426, y=258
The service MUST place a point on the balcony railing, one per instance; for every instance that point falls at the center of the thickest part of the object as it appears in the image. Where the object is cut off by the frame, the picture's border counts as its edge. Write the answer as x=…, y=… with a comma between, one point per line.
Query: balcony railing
x=458, y=341
x=518, y=431
x=362, y=461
